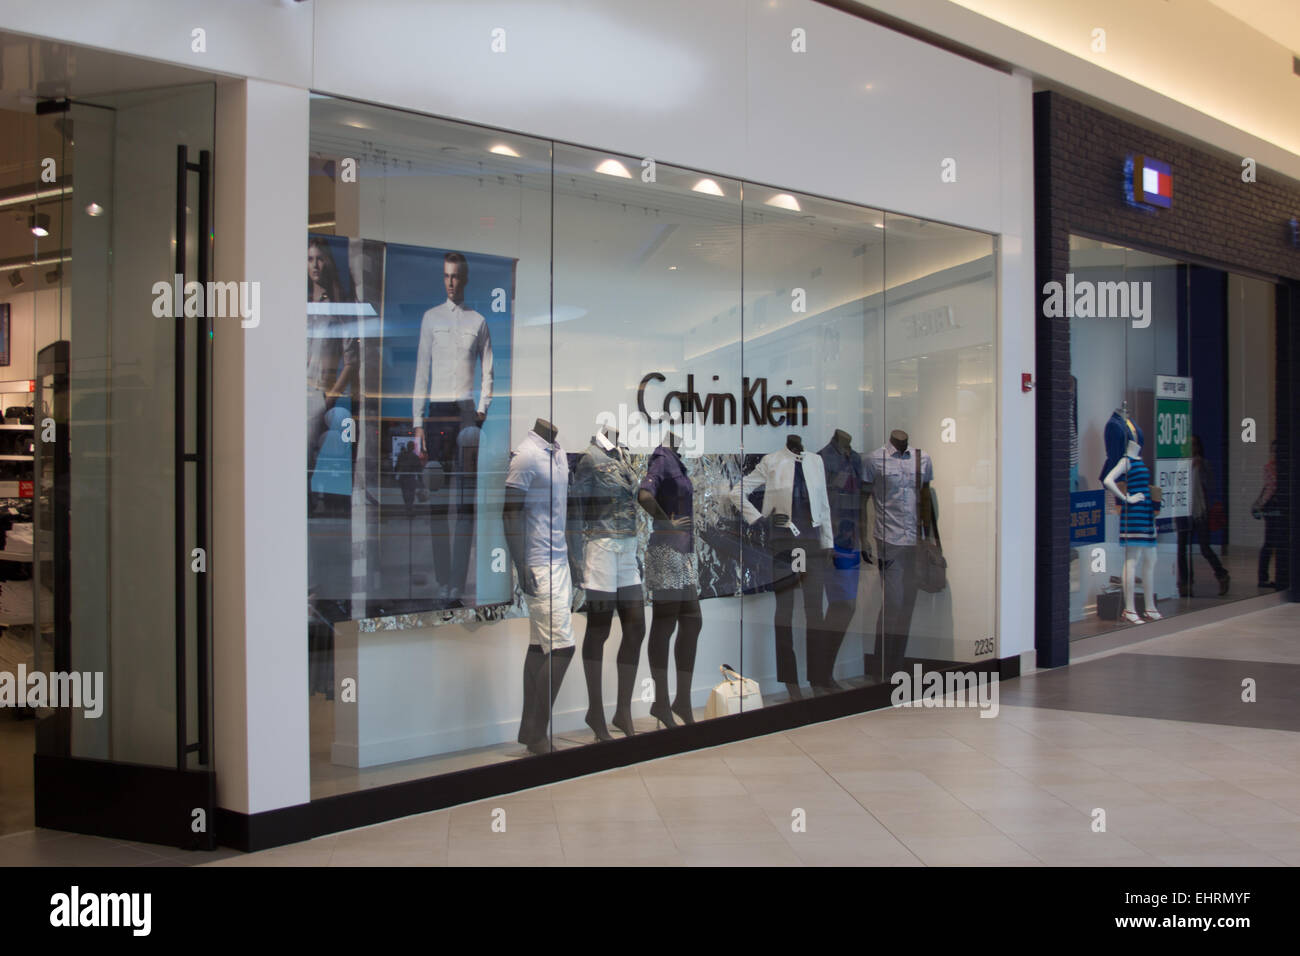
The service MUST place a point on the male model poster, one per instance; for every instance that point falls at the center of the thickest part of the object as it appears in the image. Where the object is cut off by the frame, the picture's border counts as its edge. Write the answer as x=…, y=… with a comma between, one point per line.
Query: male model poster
x=446, y=387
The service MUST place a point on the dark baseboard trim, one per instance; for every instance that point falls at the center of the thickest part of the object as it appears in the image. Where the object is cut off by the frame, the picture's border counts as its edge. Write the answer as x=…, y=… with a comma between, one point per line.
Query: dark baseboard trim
x=261, y=831
x=126, y=801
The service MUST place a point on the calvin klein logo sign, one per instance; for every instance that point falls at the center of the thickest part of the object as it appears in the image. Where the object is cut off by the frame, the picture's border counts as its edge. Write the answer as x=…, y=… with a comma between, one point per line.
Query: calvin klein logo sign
x=720, y=408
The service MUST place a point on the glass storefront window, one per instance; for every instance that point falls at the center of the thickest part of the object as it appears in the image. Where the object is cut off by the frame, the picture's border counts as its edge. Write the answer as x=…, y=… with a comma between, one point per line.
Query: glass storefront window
x=1174, y=499
x=589, y=442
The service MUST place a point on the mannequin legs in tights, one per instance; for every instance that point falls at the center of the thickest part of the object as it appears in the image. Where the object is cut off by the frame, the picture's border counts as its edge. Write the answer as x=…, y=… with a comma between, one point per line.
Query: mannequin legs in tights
x=543, y=673
x=1146, y=557
x=601, y=605
x=684, y=617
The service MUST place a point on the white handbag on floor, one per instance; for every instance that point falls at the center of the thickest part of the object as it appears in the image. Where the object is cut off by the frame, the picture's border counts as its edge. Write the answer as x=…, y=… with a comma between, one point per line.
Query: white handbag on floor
x=734, y=694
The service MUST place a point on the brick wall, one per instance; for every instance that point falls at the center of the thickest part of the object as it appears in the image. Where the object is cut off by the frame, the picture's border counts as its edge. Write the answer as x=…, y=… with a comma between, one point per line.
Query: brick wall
x=1079, y=155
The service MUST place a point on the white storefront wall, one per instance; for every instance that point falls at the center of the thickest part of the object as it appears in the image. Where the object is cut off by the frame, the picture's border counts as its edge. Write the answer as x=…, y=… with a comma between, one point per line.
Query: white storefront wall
x=863, y=115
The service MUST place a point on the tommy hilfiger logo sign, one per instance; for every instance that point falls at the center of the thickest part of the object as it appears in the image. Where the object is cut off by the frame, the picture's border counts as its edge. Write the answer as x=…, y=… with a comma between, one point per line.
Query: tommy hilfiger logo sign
x=720, y=408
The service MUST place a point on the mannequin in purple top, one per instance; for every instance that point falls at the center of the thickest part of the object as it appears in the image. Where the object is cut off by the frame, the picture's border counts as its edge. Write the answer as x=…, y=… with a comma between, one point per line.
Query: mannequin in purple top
x=672, y=576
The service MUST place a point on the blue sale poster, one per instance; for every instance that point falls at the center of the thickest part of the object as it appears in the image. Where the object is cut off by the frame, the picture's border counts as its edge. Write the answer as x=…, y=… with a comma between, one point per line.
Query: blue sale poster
x=1087, y=517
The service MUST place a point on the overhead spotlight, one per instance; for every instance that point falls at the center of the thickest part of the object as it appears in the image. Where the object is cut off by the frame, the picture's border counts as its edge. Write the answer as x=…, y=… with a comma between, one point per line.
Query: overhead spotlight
x=501, y=149
x=612, y=167
x=708, y=186
x=39, y=223
x=784, y=201
x=94, y=209
x=15, y=279
x=53, y=276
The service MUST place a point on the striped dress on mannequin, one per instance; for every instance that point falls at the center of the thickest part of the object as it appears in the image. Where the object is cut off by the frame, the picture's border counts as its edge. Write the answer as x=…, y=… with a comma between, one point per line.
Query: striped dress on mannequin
x=1137, y=523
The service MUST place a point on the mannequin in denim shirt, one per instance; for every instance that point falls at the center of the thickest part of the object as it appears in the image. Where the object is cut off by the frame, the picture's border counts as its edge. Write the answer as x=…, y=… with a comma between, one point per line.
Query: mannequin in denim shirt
x=605, y=491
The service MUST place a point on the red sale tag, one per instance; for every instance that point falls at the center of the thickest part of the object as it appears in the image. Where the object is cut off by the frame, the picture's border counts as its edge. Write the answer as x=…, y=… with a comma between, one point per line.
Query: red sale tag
x=26, y=489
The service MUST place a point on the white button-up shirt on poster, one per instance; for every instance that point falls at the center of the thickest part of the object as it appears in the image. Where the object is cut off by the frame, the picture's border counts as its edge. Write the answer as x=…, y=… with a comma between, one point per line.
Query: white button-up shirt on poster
x=452, y=339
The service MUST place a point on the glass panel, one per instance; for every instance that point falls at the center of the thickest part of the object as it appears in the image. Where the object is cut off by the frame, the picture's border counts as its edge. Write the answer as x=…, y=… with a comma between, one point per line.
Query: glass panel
x=933, y=474
x=813, y=358
x=119, y=389
x=1198, y=383
x=647, y=355
x=428, y=286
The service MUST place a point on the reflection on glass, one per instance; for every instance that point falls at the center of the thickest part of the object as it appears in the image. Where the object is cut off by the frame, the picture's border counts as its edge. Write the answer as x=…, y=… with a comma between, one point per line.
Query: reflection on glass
x=547, y=419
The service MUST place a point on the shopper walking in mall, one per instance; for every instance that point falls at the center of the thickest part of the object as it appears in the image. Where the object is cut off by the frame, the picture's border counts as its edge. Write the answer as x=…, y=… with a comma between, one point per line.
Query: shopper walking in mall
x=1268, y=507
x=1196, y=527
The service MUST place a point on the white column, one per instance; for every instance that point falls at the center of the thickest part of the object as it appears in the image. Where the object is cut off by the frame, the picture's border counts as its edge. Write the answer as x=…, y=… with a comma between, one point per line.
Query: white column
x=1016, y=352
x=259, y=549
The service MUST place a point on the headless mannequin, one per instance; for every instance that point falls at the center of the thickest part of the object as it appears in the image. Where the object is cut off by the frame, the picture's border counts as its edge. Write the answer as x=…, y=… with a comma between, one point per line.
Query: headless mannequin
x=540, y=667
x=838, y=613
x=1135, y=555
x=812, y=607
x=894, y=621
x=629, y=602
x=668, y=616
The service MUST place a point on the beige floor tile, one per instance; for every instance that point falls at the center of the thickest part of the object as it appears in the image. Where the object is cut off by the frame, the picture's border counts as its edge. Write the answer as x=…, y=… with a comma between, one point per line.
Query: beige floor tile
x=1279, y=789
x=31, y=849
x=1056, y=848
x=879, y=852
x=714, y=785
x=542, y=856
x=704, y=764
x=940, y=823
x=517, y=837
x=788, y=764
x=761, y=854
x=779, y=803
x=828, y=827
x=612, y=833
x=1015, y=821
x=697, y=833
x=864, y=781
x=480, y=816
x=912, y=801
x=606, y=809
x=1269, y=837
x=1024, y=797
x=801, y=783
x=1240, y=811
x=1105, y=794
x=387, y=856
x=982, y=850
x=659, y=853
x=711, y=808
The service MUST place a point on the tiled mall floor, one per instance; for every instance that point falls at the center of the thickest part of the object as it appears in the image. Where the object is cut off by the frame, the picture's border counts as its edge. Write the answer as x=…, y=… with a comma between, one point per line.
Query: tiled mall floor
x=905, y=787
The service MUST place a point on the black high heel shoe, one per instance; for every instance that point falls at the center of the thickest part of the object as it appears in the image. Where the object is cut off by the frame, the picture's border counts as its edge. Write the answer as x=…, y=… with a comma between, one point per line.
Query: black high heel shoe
x=597, y=724
x=623, y=722
x=684, y=712
x=664, y=715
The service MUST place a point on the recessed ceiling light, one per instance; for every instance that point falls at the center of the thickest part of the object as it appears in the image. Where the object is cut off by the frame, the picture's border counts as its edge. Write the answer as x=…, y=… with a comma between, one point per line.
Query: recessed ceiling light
x=869, y=86
x=40, y=225
x=708, y=186
x=94, y=209
x=612, y=167
x=356, y=124
x=501, y=149
x=672, y=268
x=879, y=225
x=784, y=201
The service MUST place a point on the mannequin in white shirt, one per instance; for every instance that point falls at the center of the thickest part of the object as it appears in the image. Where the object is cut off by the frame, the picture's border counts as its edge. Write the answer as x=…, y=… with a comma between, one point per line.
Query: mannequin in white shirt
x=802, y=542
